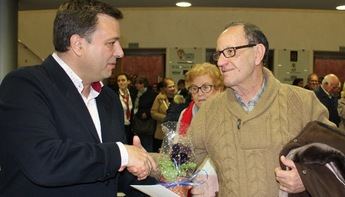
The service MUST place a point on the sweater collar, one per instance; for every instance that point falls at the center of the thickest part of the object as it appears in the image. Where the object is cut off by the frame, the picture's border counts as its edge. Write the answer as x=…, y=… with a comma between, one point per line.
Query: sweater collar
x=266, y=99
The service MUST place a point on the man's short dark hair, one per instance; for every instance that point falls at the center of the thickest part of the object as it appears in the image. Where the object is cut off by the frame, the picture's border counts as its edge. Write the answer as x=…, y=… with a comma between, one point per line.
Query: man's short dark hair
x=254, y=35
x=79, y=17
x=142, y=80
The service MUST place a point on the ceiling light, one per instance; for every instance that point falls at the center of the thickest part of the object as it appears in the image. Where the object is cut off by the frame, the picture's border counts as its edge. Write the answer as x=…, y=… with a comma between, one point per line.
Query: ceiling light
x=183, y=4
x=340, y=7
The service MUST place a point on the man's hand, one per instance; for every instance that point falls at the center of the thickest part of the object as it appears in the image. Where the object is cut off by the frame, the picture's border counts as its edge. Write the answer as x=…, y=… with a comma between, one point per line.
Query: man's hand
x=140, y=163
x=289, y=180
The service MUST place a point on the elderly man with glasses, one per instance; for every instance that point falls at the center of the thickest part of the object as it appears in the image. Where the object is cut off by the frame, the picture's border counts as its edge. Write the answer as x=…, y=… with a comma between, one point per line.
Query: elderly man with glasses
x=244, y=128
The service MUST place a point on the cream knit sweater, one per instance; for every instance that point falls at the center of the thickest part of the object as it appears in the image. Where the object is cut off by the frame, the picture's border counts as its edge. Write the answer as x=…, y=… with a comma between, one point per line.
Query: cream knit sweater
x=245, y=145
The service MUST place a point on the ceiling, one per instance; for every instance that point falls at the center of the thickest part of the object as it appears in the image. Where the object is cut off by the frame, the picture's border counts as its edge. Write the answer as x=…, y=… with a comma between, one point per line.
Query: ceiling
x=290, y=4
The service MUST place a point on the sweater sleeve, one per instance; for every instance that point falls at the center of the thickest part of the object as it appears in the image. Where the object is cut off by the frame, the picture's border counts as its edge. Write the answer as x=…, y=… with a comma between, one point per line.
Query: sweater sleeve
x=306, y=107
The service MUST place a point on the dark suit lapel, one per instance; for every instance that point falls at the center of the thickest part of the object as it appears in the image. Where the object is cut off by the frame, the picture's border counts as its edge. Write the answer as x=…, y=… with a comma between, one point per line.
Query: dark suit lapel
x=111, y=123
x=105, y=117
x=67, y=88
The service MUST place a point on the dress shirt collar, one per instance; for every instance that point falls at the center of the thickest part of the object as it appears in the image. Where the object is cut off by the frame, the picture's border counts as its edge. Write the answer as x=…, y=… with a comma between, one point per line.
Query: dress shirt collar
x=123, y=93
x=252, y=102
x=77, y=81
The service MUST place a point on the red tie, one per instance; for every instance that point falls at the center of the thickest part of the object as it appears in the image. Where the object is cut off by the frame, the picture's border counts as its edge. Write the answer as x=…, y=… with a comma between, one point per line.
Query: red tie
x=126, y=100
x=96, y=86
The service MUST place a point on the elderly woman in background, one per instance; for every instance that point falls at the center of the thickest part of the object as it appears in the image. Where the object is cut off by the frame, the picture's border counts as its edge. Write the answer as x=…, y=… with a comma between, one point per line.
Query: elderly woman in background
x=341, y=109
x=203, y=82
x=159, y=109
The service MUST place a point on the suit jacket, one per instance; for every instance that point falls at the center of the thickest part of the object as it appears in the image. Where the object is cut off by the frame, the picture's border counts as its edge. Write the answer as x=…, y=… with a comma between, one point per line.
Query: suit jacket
x=330, y=103
x=48, y=144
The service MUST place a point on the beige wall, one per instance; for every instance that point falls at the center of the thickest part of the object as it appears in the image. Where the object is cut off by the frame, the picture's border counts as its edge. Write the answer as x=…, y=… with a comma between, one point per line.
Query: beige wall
x=198, y=27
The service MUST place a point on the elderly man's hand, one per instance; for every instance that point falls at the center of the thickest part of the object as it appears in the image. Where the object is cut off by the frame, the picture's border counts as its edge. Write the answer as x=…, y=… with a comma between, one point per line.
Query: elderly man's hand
x=140, y=163
x=289, y=180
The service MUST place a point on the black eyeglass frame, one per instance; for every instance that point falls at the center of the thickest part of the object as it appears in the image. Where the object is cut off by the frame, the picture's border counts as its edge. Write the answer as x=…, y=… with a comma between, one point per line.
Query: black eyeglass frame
x=201, y=88
x=217, y=54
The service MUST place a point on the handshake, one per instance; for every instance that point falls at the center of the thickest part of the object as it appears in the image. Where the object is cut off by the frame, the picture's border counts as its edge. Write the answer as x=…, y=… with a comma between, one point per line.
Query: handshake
x=140, y=163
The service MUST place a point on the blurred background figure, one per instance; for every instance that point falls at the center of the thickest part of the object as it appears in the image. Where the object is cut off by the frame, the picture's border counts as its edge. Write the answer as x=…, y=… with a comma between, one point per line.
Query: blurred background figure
x=328, y=94
x=181, y=101
x=112, y=82
x=155, y=87
x=312, y=82
x=160, y=87
x=298, y=82
x=341, y=108
x=182, y=90
x=126, y=98
x=159, y=109
x=143, y=125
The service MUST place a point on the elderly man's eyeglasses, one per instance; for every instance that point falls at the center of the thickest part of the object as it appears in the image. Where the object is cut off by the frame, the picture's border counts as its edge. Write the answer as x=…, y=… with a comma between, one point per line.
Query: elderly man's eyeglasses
x=230, y=51
x=204, y=88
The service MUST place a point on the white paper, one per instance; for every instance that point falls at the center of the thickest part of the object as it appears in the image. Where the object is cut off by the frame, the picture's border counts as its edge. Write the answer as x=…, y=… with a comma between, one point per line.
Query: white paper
x=155, y=190
x=208, y=166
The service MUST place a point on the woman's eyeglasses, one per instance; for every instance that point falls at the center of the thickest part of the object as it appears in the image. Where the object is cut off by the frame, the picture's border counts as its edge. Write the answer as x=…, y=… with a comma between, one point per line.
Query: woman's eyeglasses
x=204, y=88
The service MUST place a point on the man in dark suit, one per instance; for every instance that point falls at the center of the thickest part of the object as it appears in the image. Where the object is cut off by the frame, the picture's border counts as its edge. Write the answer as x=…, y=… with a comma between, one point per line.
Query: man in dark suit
x=62, y=134
x=328, y=94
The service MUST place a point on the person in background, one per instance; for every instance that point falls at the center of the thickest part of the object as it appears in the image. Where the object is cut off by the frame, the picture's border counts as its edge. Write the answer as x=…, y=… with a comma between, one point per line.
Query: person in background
x=298, y=82
x=175, y=108
x=127, y=99
x=131, y=83
x=341, y=108
x=244, y=128
x=337, y=91
x=142, y=110
x=62, y=132
x=328, y=94
x=181, y=101
x=159, y=109
x=111, y=82
x=182, y=90
x=160, y=87
x=203, y=82
x=155, y=87
x=312, y=82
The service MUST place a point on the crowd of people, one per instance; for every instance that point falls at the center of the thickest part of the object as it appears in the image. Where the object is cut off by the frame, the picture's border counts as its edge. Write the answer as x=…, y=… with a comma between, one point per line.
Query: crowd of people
x=65, y=133
x=328, y=90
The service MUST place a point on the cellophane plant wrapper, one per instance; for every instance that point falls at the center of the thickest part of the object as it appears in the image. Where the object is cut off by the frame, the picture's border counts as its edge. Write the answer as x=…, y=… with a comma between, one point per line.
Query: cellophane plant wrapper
x=177, y=160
